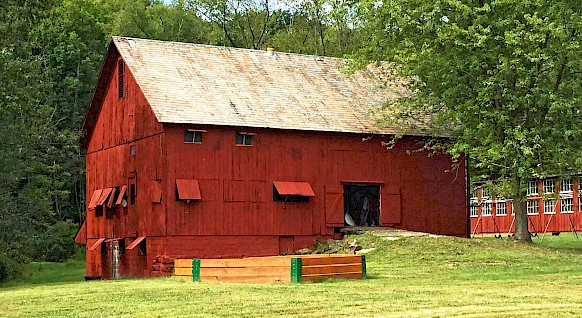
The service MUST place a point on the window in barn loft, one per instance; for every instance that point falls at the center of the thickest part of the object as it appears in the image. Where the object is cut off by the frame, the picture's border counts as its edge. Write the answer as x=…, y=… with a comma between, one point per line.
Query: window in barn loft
x=244, y=139
x=142, y=247
x=132, y=191
x=193, y=136
x=120, y=79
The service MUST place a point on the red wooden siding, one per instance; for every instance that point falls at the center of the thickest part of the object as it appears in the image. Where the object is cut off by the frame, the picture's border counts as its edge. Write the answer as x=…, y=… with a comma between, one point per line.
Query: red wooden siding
x=234, y=213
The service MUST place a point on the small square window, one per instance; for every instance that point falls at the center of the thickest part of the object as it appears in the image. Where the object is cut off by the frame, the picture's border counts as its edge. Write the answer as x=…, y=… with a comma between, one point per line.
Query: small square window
x=474, y=209
x=277, y=197
x=549, y=186
x=142, y=247
x=532, y=207
x=486, y=209
x=193, y=136
x=532, y=187
x=566, y=185
x=244, y=139
x=549, y=207
x=484, y=192
x=501, y=209
x=567, y=205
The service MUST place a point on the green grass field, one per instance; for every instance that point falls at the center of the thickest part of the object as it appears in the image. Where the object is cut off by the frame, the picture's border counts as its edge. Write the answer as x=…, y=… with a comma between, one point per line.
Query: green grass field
x=409, y=277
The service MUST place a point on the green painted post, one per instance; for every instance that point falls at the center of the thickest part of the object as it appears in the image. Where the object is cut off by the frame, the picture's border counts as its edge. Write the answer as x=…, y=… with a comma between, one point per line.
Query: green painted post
x=196, y=270
x=364, y=274
x=296, y=270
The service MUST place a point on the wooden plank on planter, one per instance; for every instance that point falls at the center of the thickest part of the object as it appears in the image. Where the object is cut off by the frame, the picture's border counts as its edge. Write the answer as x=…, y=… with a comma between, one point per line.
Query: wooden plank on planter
x=246, y=279
x=245, y=271
x=318, y=277
x=183, y=271
x=332, y=269
x=246, y=262
x=187, y=263
x=346, y=259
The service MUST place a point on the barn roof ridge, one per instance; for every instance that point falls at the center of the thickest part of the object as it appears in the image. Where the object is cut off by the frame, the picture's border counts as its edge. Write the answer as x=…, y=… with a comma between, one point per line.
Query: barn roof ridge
x=118, y=37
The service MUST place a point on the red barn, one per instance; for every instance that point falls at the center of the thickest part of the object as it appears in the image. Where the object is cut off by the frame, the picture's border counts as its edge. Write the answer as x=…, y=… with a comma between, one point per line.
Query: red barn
x=204, y=151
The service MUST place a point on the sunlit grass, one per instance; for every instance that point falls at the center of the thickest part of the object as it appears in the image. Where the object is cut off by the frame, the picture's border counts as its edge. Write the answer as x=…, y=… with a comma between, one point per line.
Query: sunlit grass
x=409, y=277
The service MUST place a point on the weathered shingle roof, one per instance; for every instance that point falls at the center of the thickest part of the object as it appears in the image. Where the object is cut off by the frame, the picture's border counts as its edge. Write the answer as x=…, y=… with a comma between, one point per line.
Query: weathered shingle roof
x=201, y=84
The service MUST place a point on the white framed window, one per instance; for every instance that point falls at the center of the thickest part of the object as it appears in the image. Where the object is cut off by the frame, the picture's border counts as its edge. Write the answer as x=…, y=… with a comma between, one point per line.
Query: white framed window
x=511, y=206
x=474, y=210
x=566, y=185
x=484, y=192
x=474, y=195
x=486, y=209
x=532, y=207
x=549, y=207
x=548, y=185
x=532, y=187
x=567, y=205
x=500, y=208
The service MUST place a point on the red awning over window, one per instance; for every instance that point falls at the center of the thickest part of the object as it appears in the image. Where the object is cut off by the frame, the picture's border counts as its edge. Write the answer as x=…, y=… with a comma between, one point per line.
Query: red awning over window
x=104, y=195
x=135, y=243
x=96, y=244
x=121, y=195
x=294, y=188
x=111, y=199
x=188, y=189
x=95, y=198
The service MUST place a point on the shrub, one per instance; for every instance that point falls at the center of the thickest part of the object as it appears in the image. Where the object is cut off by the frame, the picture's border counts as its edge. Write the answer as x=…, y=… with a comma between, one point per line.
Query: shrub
x=9, y=268
x=57, y=243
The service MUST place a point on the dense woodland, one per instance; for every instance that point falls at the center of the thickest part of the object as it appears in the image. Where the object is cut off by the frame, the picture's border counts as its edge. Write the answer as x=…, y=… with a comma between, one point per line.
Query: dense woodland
x=509, y=73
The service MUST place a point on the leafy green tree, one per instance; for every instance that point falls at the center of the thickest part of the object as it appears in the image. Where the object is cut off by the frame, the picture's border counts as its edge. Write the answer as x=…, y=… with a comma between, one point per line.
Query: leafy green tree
x=502, y=76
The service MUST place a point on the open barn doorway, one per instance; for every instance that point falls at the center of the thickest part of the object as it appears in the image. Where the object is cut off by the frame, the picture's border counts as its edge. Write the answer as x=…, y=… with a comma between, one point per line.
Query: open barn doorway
x=361, y=205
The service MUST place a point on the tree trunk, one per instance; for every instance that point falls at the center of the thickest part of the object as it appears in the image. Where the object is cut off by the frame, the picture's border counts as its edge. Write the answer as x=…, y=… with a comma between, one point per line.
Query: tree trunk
x=519, y=205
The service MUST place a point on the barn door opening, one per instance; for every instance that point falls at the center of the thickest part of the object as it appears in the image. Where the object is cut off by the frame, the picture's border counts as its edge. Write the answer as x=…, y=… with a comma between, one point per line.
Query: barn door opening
x=361, y=205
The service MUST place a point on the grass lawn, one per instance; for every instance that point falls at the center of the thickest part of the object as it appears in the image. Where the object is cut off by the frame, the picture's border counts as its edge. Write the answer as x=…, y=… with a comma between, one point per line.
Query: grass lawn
x=409, y=277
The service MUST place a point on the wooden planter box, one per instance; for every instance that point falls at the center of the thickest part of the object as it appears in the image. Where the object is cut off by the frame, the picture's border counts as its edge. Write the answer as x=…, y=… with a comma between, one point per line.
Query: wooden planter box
x=272, y=269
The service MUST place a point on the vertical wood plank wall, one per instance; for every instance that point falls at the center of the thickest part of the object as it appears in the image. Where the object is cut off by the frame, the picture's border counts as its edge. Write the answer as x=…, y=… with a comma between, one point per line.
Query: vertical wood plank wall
x=237, y=216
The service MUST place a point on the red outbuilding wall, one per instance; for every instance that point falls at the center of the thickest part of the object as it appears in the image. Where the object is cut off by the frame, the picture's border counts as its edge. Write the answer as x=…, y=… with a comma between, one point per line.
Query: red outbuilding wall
x=556, y=219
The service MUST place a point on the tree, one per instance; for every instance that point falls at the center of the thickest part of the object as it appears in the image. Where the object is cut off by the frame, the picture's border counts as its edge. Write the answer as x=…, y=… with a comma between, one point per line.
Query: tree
x=503, y=77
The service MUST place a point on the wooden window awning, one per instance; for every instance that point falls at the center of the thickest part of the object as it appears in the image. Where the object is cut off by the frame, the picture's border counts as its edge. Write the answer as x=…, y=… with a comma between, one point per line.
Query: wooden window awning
x=104, y=196
x=294, y=188
x=95, y=198
x=188, y=189
x=122, y=193
x=96, y=244
x=135, y=243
